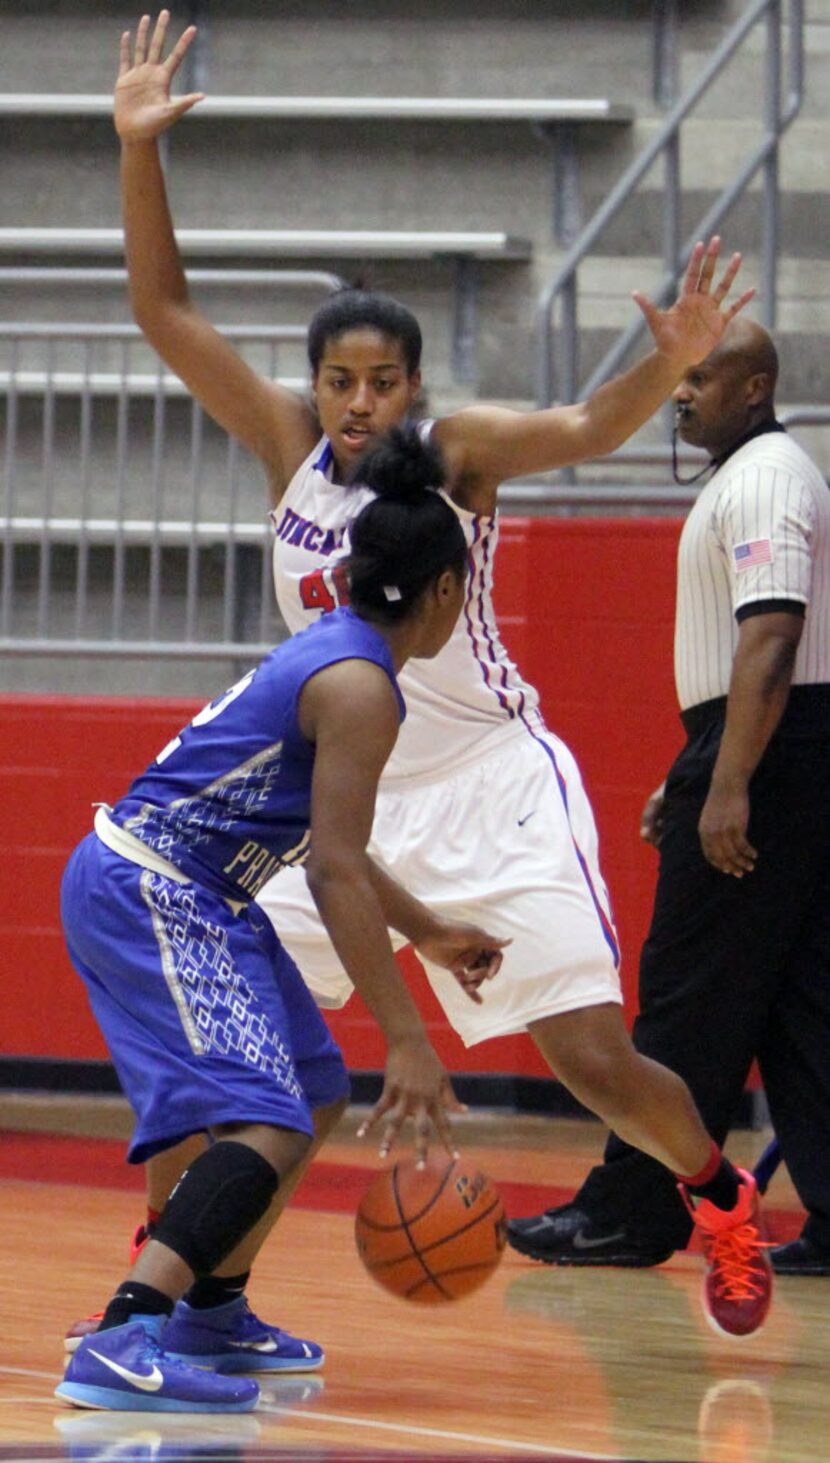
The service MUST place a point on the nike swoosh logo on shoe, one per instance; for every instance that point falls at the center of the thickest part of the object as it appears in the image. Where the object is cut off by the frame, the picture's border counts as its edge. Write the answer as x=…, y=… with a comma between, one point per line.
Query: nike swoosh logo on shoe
x=268, y=1345
x=145, y=1381
x=543, y=1222
x=581, y=1241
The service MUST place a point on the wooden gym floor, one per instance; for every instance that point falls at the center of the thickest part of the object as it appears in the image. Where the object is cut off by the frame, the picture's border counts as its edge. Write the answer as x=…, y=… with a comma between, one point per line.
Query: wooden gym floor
x=542, y=1363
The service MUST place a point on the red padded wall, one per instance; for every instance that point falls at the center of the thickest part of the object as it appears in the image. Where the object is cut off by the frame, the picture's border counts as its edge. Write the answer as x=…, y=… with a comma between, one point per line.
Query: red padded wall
x=586, y=607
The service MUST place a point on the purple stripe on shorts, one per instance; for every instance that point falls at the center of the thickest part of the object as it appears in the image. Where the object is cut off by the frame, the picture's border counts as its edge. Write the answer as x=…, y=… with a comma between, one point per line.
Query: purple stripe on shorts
x=608, y=931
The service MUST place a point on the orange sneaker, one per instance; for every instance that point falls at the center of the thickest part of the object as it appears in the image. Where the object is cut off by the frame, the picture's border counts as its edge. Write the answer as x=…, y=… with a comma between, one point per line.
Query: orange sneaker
x=85, y=1327
x=737, y=1289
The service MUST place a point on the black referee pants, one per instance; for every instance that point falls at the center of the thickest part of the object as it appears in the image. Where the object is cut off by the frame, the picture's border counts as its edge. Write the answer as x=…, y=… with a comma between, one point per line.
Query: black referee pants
x=734, y=969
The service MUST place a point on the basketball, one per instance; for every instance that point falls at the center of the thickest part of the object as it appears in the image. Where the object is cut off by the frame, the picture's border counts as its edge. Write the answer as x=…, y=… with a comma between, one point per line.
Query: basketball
x=430, y=1234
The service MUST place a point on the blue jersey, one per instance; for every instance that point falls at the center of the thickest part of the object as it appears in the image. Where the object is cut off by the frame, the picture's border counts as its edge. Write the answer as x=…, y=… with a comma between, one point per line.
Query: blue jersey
x=228, y=800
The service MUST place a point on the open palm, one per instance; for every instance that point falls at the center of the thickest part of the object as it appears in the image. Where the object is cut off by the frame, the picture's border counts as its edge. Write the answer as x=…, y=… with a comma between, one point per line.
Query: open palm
x=691, y=328
x=143, y=105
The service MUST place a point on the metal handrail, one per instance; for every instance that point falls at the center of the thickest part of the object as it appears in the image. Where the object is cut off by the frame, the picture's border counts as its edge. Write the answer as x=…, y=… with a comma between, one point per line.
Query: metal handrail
x=290, y=279
x=667, y=141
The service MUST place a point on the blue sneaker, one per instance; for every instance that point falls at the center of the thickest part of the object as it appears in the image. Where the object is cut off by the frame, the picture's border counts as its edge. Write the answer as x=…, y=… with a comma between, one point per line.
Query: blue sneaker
x=230, y=1338
x=124, y=1369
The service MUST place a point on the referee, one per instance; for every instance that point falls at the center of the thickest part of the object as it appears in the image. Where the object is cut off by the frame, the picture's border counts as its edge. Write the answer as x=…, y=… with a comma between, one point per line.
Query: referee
x=736, y=964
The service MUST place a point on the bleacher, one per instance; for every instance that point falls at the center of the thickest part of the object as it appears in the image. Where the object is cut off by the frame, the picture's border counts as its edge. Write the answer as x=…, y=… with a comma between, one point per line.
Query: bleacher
x=446, y=156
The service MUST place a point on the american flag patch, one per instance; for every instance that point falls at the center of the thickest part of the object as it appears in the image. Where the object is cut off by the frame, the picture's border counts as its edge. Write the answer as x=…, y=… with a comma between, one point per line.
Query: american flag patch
x=750, y=555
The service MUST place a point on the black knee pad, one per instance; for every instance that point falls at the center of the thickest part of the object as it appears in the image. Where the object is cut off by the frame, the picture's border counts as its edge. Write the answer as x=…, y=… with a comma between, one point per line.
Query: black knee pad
x=217, y=1200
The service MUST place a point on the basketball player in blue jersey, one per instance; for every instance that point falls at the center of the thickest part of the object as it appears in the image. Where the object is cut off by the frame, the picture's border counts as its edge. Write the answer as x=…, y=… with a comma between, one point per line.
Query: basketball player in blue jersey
x=209, y=1024
x=517, y=849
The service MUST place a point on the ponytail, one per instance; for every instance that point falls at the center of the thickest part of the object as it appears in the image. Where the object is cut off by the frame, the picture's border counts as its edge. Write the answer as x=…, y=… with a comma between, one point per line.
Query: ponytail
x=409, y=534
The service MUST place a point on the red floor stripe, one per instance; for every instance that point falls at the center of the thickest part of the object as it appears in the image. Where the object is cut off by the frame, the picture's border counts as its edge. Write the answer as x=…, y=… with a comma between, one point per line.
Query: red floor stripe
x=336, y=1187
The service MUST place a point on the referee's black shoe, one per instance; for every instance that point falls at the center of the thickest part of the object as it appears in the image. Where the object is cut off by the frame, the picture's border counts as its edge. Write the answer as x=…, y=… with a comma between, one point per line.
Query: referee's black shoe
x=799, y=1257
x=569, y=1236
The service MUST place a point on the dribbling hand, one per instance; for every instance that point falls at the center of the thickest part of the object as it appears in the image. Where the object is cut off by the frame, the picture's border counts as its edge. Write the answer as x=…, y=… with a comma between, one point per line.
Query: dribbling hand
x=143, y=107
x=415, y=1086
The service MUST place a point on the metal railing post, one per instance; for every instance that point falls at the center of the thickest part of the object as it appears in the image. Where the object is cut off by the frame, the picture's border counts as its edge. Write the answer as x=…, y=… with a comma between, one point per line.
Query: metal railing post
x=763, y=159
x=771, y=216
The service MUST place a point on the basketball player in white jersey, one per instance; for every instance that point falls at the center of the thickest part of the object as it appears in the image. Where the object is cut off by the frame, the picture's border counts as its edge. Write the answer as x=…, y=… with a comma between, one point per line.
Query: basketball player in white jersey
x=482, y=812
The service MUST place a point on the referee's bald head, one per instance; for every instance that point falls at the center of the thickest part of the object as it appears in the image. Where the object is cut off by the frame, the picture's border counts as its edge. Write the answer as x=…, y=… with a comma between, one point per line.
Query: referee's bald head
x=729, y=393
x=748, y=350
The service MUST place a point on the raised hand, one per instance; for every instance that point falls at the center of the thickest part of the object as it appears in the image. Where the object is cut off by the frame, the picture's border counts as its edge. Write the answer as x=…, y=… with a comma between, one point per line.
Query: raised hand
x=692, y=327
x=143, y=105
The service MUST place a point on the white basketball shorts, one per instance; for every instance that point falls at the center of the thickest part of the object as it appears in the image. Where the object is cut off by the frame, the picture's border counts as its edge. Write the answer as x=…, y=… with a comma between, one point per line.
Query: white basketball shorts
x=508, y=842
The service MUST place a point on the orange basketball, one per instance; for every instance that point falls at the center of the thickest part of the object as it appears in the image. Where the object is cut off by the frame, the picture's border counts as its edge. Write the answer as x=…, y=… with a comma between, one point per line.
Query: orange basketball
x=430, y=1234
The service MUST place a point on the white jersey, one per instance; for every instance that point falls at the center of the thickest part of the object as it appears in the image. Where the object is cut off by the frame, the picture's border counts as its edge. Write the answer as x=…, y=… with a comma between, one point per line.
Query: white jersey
x=759, y=533
x=459, y=704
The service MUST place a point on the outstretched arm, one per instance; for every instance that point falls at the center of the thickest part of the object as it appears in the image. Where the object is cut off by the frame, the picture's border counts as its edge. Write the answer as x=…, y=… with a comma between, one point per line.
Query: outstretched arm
x=487, y=444
x=271, y=422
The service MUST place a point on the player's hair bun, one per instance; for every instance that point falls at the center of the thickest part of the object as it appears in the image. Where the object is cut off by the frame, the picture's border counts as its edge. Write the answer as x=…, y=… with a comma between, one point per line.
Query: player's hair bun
x=400, y=466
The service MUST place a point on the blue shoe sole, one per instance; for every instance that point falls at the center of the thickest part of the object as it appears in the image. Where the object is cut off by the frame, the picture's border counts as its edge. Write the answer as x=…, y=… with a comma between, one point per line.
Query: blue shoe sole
x=114, y=1399
x=248, y=1362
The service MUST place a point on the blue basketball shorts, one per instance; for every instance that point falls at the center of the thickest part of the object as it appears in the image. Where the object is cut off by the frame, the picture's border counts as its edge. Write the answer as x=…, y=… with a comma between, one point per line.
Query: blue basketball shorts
x=205, y=1014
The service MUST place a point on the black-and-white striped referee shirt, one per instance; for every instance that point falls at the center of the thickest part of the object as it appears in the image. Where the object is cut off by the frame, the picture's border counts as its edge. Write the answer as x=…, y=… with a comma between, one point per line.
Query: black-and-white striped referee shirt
x=759, y=534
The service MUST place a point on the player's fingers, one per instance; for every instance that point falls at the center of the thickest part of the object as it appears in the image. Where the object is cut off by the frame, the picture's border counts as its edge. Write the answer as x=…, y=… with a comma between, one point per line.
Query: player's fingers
x=692, y=275
x=394, y=1123
x=383, y=1104
x=493, y=964
x=125, y=59
x=650, y=310
x=140, y=53
x=183, y=104
x=423, y=1132
x=707, y=268
x=729, y=273
x=469, y=985
x=491, y=956
x=174, y=60
x=739, y=304
x=157, y=39
x=441, y=1123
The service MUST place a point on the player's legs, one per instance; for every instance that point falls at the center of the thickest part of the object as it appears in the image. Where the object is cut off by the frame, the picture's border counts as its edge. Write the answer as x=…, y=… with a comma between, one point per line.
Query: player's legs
x=222, y=1199
x=323, y=1080
x=591, y=1052
x=163, y=1170
x=198, y=1024
x=518, y=854
x=320, y=1072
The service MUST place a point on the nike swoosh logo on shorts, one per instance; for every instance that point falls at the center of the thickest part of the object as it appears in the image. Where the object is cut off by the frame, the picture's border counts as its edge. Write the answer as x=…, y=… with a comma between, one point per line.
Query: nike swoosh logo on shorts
x=145, y=1381
x=526, y=819
x=267, y=1345
x=581, y=1241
